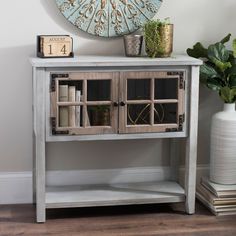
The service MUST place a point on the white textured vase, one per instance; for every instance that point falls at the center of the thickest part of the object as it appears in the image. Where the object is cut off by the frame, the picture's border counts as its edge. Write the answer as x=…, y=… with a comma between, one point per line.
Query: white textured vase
x=223, y=146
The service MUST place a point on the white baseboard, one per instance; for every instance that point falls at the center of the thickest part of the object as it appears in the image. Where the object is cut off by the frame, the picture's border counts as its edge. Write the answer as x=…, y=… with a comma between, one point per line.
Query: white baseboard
x=202, y=170
x=16, y=187
x=124, y=175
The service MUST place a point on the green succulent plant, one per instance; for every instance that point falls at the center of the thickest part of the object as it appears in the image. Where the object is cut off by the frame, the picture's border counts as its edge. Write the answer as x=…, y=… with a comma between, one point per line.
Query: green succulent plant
x=218, y=71
x=151, y=29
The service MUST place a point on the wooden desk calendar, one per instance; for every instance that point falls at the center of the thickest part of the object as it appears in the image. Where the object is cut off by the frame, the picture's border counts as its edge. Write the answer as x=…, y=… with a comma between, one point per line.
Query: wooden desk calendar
x=143, y=99
x=51, y=46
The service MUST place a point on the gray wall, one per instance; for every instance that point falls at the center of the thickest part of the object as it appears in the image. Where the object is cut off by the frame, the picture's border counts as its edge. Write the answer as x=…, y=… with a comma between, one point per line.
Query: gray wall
x=201, y=20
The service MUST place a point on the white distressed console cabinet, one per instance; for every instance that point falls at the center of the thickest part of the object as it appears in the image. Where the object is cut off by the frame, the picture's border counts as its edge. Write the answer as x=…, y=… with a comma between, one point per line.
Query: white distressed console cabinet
x=113, y=98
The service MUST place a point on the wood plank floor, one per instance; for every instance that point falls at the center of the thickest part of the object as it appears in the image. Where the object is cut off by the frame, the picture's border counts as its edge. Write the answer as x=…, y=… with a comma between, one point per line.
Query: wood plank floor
x=115, y=221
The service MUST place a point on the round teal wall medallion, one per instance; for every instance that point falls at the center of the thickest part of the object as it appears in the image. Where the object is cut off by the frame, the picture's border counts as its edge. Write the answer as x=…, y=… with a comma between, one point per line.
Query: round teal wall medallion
x=108, y=18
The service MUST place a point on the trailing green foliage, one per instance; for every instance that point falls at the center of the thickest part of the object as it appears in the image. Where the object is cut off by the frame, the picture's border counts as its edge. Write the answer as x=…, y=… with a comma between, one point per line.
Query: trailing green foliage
x=154, y=47
x=218, y=71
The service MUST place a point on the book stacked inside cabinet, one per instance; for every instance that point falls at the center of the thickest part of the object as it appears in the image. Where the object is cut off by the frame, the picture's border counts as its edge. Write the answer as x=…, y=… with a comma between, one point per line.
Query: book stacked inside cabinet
x=63, y=111
x=220, y=199
x=69, y=116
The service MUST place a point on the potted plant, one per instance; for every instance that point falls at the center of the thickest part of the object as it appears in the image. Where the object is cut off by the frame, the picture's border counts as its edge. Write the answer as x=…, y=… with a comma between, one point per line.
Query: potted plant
x=158, y=38
x=100, y=115
x=218, y=73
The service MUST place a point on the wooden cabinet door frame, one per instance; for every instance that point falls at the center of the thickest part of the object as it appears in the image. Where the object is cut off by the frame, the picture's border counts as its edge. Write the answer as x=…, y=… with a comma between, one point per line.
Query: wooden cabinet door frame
x=152, y=75
x=85, y=128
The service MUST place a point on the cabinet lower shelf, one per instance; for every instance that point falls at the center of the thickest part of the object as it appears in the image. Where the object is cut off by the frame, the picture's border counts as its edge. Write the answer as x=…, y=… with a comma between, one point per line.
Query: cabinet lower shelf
x=69, y=138
x=115, y=194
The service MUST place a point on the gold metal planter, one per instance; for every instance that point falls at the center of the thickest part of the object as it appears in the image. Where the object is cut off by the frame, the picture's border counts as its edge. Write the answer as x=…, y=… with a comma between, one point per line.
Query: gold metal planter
x=166, y=40
x=162, y=45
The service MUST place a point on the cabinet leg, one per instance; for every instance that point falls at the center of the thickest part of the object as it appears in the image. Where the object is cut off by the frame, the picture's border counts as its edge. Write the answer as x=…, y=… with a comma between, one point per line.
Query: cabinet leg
x=40, y=214
x=39, y=130
x=190, y=174
x=191, y=143
x=40, y=180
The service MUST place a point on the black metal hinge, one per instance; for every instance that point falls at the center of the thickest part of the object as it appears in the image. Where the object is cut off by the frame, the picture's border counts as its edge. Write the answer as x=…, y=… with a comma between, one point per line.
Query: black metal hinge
x=181, y=122
x=182, y=83
x=53, y=125
x=182, y=118
x=53, y=80
x=180, y=74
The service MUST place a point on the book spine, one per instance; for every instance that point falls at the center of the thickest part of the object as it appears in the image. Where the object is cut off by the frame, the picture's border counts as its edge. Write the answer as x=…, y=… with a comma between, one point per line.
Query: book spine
x=226, y=213
x=207, y=186
x=72, y=108
x=77, y=109
x=206, y=203
x=63, y=110
x=220, y=190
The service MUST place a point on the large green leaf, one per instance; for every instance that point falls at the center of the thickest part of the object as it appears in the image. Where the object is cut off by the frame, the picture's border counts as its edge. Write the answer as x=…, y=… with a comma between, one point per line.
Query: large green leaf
x=221, y=65
x=226, y=39
x=198, y=51
x=234, y=47
x=219, y=55
x=227, y=94
x=231, y=70
x=207, y=71
x=232, y=81
x=218, y=51
x=213, y=84
x=231, y=57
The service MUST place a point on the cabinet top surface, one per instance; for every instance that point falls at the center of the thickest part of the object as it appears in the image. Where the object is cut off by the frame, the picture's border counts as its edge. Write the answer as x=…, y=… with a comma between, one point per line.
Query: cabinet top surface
x=106, y=61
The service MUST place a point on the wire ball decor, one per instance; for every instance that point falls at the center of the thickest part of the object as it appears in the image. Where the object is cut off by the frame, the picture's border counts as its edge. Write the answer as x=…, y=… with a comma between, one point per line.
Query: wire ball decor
x=142, y=116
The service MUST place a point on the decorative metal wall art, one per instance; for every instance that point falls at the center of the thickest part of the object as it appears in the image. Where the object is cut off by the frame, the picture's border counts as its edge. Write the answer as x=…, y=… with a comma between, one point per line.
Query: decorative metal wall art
x=108, y=18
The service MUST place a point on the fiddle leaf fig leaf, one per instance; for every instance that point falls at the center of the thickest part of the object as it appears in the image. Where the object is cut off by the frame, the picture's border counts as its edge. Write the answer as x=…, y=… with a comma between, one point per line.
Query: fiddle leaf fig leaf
x=232, y=70
x=219, y=52
x=231, y=57
x=198, y=51
x=221, y=65
x=232, y=81
x=219, y=55
x=225, y=39
x=227, y=94
x=234, y=48
x=213, y=84
x=207, y=71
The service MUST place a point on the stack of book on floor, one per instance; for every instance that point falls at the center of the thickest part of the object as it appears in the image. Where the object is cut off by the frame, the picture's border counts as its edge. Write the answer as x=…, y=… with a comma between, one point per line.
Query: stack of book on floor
x=220, y=199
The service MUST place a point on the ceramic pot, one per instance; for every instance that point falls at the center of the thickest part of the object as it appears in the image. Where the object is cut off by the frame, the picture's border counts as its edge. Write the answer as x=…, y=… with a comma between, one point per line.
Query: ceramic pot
x=223, y=146
x=133, y=45
x=101, y=118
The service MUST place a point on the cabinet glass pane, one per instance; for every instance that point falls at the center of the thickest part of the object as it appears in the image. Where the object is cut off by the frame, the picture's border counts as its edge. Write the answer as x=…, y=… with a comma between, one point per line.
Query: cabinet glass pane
x=165, y=113
x=166, y=88
x=138, y=89
x=70, y=116
x=138, y=114
x=99, y=90
x=99, y=115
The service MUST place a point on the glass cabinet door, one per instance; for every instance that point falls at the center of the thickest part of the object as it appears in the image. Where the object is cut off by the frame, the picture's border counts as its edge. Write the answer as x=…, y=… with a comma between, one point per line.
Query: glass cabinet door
x=152, y=102
x=84, y=103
